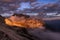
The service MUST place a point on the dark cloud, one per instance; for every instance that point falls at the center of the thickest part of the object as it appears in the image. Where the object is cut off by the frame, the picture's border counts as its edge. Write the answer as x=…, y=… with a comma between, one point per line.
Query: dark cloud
x=17, y=0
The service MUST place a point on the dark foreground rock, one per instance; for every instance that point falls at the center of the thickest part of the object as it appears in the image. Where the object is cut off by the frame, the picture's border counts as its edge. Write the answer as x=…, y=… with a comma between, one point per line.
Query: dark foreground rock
x=14, y=34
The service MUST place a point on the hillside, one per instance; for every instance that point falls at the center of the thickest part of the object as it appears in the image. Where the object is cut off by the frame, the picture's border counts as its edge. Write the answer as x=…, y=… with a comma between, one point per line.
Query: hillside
x=16, y=33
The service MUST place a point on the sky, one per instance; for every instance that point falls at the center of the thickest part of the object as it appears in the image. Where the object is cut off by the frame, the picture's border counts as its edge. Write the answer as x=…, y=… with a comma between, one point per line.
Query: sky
x=24, y=5
x=47, y=1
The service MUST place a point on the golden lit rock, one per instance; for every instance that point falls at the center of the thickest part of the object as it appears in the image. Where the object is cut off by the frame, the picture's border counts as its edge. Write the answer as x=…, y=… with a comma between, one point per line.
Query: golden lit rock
x=24, y=22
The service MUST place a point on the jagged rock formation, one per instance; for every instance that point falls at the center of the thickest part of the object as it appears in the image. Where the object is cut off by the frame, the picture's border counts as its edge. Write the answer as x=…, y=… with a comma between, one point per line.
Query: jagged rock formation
x=25, y=21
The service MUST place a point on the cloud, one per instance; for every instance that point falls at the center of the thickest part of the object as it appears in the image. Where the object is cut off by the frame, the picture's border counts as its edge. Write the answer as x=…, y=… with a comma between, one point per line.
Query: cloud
x=17, y=0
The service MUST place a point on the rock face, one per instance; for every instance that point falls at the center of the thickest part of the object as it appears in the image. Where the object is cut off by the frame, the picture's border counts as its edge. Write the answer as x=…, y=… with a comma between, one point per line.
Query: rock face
x=24, y=21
